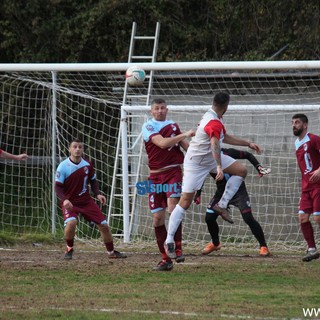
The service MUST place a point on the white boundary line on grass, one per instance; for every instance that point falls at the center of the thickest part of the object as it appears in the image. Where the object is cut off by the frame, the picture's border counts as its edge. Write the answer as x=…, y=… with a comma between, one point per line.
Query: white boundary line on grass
x=177, y=313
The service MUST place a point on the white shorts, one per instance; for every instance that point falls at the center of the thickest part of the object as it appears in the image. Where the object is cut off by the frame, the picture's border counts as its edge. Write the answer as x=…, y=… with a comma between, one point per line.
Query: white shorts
x=196, y=169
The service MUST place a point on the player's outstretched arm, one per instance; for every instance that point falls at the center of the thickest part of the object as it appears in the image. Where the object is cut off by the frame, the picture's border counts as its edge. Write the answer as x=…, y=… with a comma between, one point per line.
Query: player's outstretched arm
x=167, y=142
x=7, y=155
x=241, y=142
x=262, y=171
x=241, y=154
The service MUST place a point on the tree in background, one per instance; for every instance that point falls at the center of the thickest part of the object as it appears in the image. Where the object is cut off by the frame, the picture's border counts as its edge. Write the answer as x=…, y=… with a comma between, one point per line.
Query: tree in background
x=191, y=30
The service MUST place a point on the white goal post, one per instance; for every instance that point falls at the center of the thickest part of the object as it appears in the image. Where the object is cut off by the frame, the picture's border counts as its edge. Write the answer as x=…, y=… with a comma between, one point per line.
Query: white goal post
x=44, y=106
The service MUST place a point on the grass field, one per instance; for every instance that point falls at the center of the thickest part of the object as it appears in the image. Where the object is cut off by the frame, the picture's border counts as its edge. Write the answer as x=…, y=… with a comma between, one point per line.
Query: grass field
x=36, y=283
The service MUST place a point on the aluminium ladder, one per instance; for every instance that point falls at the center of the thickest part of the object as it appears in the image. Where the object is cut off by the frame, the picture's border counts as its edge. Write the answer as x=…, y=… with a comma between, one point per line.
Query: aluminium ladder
x=128, y=157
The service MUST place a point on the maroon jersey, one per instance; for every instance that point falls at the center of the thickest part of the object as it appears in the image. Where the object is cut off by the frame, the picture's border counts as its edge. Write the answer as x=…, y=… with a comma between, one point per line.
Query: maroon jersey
x=308, y=157
x=75, y=179
x=159, y=158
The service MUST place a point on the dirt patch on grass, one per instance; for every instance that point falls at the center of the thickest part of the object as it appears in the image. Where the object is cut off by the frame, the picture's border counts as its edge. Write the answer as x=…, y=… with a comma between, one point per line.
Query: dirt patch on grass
x=88, y=258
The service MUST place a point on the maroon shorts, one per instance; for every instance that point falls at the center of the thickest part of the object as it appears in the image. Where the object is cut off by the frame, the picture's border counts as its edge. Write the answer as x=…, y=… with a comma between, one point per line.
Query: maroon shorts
x=90, y=212
x=165, y=185
x=310, y=201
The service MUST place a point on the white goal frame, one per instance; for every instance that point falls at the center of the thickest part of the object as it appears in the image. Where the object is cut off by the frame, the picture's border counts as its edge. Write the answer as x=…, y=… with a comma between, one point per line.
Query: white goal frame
x=159, y=66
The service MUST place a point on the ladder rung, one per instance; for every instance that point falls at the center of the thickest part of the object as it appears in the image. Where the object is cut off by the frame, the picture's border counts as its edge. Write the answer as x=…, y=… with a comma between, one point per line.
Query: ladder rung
x=119, y=215
x=133, y=135
x=137, y=96
x=141, y=57
x=145, y=37
x=130, y=155
x=129, y=175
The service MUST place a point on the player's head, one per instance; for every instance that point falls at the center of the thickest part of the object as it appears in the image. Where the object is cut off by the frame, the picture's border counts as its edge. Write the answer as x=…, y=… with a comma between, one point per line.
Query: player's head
x=76, y=148
x=299, y=124
x=220, y=102
x=159, y=109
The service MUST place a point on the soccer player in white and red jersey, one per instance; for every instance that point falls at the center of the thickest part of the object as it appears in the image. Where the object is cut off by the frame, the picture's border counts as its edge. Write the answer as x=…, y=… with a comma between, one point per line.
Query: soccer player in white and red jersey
x=73, y=177
x=163, y=142
x=7, y=155
x=203, y=156
x=308, y=157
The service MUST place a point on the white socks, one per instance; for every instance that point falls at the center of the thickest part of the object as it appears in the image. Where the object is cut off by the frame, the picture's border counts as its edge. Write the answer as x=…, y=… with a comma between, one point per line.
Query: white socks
x=175, y=219
x=232, y=186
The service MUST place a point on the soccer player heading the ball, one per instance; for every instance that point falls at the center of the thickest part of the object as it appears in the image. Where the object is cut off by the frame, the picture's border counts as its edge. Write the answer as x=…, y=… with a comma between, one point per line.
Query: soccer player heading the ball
x=73, y=177
x=308, y=158
x=203, y=156
x=163, y=142
x=240, y=200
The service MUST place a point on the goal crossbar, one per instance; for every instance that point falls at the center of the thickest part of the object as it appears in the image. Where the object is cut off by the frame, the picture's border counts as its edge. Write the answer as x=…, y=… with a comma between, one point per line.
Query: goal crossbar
x=231, y=107
x=163, y=66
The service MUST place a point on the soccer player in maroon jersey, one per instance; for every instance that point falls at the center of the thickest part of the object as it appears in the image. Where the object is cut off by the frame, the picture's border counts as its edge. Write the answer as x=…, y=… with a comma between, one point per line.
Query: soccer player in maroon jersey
x=73, y=177
x=163, y=141
x=308, y=157
x=7, y=155
x=240, y=200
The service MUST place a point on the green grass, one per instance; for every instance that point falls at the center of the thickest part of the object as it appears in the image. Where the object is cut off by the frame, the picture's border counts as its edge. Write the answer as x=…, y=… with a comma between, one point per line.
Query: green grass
x=38, y=284
x=8, y=238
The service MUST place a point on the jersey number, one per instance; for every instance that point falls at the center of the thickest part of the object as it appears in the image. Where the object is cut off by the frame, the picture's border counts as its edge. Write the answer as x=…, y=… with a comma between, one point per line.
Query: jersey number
x=84, y=188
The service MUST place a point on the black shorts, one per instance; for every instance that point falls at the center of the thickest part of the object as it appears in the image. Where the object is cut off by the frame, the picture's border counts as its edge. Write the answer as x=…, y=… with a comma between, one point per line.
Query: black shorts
x=240, y=200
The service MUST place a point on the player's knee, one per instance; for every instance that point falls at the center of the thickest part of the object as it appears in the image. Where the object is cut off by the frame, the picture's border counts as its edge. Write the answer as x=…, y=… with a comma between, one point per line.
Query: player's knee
x=159, y=219
x=237, y=169
x=186, y=200
x=103, y=227
x=316, y=218
x=304, y=217
x=71, y=223
x=211, y=216
x=247, y=217
x=243, y=172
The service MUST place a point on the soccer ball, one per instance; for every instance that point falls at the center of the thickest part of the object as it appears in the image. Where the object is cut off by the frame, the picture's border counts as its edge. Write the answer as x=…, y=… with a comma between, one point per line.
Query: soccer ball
x=135, y=76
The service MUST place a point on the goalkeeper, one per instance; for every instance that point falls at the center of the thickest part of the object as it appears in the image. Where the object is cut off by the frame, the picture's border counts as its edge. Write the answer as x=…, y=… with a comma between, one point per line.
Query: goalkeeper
x=240, y=200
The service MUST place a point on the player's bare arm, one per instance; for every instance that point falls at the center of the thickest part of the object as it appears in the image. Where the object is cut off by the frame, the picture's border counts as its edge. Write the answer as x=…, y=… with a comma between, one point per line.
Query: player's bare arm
x=7, y=155
x=165, y=143
x=229, y=139
x=184, y=144
x=216, y=153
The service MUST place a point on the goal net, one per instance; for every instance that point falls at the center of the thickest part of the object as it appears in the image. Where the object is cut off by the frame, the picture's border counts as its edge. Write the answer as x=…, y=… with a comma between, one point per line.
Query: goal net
x=42, y=111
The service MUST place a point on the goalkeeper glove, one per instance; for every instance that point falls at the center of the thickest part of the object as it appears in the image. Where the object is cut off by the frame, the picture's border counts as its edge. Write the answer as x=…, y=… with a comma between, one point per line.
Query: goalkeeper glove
x=263, y=171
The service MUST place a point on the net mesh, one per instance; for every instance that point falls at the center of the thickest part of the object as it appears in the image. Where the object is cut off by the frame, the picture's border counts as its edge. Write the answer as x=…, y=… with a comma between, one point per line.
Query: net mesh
x=88, y=107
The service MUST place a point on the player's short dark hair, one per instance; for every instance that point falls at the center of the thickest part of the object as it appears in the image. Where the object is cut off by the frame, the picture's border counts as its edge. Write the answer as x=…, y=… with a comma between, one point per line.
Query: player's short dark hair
x=301, y=116
x=77, y=140
x=221, y=99
x=158, y=101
